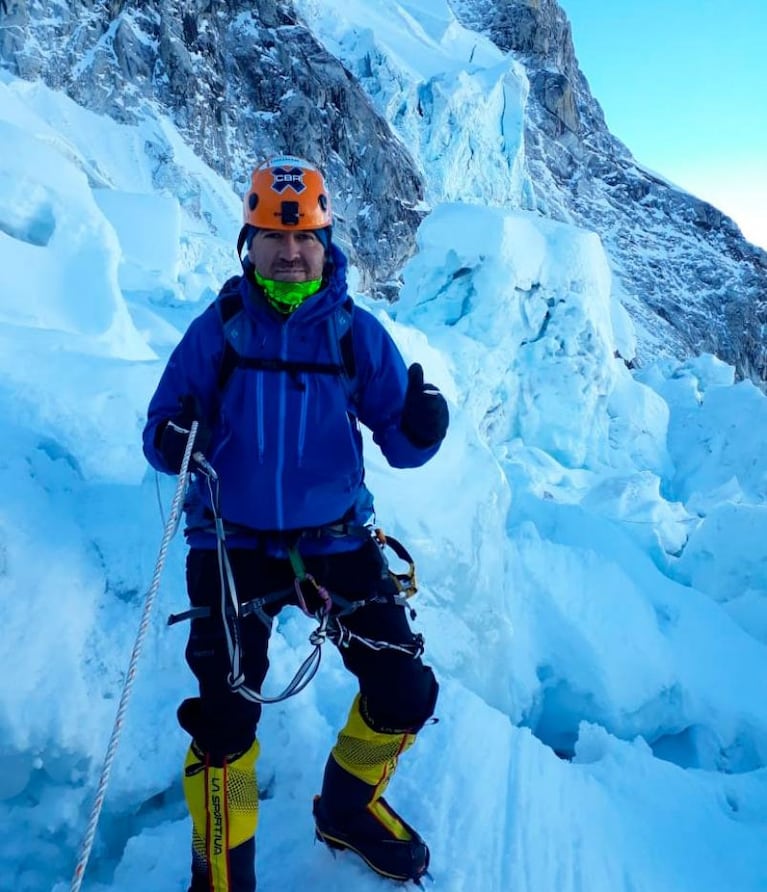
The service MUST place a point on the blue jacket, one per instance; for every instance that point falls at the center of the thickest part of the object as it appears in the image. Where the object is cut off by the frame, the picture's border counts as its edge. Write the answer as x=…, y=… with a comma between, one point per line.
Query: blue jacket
x=287, y=447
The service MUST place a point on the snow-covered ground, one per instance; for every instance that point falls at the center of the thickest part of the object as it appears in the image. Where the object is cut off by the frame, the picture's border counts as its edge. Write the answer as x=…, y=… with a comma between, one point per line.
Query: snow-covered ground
x=590, y=545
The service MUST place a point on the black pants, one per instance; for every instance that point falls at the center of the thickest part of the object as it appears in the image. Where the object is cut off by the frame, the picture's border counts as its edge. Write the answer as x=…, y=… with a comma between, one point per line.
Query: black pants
x=398, y=692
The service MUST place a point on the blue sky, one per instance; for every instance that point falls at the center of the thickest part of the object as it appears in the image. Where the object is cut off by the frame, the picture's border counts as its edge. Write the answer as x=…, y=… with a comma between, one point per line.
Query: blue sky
x=683, y=85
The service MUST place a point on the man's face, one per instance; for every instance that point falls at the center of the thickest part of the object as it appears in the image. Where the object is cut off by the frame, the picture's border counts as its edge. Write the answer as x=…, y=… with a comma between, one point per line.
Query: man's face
x=293, y=256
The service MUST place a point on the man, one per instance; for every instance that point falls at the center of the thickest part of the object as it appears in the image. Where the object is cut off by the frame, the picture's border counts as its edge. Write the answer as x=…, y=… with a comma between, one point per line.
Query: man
x=279, y=372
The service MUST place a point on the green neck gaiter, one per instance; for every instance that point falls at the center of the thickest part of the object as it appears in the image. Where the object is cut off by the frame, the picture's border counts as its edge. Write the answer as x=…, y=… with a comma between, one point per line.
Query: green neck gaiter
x=287, y=296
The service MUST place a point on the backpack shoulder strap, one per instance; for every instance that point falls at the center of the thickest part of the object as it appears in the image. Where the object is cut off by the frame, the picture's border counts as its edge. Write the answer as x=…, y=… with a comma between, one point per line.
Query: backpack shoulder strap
x=230, y=299
x=230, y=307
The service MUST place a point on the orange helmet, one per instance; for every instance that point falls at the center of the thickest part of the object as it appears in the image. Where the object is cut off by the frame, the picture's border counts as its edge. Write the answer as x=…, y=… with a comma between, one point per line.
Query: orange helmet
x=287, y=193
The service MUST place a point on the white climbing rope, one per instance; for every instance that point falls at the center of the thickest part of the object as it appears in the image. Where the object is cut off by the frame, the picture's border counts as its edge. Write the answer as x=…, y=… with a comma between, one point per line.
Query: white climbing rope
x=170, y=528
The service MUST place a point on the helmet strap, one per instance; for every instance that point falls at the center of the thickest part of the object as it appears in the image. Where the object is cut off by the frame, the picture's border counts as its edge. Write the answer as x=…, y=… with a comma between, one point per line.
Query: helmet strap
x=241, y=239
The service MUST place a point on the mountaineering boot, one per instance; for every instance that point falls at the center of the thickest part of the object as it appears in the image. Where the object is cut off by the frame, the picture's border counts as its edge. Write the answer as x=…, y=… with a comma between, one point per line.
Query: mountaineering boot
x=222, y=797
x=351, y=812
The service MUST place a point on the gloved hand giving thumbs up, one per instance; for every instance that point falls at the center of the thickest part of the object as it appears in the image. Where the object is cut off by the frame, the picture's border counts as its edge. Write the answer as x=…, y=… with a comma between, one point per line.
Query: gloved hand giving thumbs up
x=425, y=416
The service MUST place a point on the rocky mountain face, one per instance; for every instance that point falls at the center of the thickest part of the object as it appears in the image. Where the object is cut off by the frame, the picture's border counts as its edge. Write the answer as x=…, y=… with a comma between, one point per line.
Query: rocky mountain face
x=242, y=80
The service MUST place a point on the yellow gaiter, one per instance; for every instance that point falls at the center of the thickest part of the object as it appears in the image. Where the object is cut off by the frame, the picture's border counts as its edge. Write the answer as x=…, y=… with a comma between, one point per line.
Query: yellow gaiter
x=223, y=803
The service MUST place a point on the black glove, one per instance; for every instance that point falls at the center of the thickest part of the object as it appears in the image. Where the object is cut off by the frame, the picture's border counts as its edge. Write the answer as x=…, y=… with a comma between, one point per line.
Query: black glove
x=425, y=416
x=172, y=435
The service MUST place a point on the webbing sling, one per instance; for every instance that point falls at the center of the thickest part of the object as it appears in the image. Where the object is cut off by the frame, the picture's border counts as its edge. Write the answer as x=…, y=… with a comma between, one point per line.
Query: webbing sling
x=231, y=613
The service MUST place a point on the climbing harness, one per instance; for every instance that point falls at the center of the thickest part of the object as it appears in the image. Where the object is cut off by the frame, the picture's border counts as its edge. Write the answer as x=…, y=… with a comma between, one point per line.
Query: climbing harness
x=312, y=598
x=171, y=526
